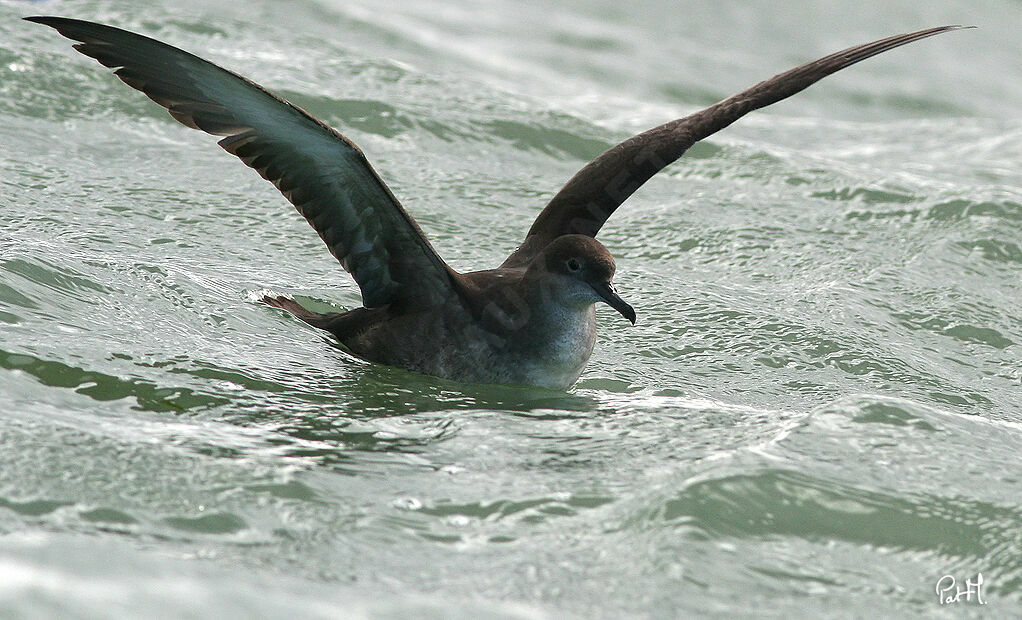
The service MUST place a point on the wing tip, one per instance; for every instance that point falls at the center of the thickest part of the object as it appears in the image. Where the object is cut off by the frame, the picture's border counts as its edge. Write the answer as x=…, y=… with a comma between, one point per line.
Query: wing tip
x=53, y=21
x=949, y=28
x=74, y=29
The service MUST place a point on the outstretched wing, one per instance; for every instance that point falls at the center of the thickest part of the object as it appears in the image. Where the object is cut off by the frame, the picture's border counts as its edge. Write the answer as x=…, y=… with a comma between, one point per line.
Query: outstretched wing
x=322, y=173
x=591, y=196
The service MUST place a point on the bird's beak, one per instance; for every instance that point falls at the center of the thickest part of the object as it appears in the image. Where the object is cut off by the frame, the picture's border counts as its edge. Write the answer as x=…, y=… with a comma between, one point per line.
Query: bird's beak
x=606, y=291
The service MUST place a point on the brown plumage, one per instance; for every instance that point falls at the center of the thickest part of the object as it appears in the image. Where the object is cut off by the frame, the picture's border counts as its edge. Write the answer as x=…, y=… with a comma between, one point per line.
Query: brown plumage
x=531, y=321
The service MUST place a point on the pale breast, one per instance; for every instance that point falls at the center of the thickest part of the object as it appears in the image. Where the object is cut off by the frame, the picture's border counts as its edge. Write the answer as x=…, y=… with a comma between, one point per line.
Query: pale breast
x=559, y=353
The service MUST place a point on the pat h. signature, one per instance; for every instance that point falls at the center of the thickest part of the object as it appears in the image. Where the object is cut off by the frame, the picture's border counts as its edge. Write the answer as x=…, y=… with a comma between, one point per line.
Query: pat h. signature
x=948, y=591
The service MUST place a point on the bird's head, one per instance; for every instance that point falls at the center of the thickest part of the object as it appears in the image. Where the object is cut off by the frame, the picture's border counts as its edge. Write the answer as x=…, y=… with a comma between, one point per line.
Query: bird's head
x=578, y=270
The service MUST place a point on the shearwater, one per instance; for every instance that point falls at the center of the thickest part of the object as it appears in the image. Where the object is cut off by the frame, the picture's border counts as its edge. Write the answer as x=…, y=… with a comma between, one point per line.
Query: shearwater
x=530, y=321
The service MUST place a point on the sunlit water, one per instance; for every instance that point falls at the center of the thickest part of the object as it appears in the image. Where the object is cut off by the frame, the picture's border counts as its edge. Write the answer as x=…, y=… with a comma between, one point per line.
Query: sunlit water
x=819, y=411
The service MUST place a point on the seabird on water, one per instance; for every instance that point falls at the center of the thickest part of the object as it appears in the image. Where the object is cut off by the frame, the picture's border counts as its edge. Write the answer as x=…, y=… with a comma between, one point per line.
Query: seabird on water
x=531, y=321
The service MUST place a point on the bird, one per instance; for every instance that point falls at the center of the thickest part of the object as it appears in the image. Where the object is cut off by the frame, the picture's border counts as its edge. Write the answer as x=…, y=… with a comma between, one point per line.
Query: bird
x=530, y=321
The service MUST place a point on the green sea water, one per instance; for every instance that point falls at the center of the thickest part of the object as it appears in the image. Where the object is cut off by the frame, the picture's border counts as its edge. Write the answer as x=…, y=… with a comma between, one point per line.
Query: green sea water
x=819, y=412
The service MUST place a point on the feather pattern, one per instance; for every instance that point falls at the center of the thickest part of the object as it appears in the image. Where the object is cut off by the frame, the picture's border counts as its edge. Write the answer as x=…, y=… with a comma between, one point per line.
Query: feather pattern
x=322, y=173
x=583, y=205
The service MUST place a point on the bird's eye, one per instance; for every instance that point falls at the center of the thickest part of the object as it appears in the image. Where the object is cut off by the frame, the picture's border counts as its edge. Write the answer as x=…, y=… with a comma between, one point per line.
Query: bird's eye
x=574, y=264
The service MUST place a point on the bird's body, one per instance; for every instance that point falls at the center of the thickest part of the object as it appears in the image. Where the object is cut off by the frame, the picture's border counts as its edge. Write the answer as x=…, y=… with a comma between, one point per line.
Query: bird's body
x=530, y=321
x=455, y=344
x=509, y=325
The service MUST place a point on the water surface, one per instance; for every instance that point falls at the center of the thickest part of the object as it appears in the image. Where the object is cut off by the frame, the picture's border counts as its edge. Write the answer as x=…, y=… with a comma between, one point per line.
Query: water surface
x=817, y=413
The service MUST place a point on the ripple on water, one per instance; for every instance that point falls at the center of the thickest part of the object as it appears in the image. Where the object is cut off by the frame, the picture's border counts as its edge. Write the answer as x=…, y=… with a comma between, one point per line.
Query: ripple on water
x=494, y=520
x=996, y=250
x=100, y=386
x=861, y=476
x=950, y=211
x=60, y=279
